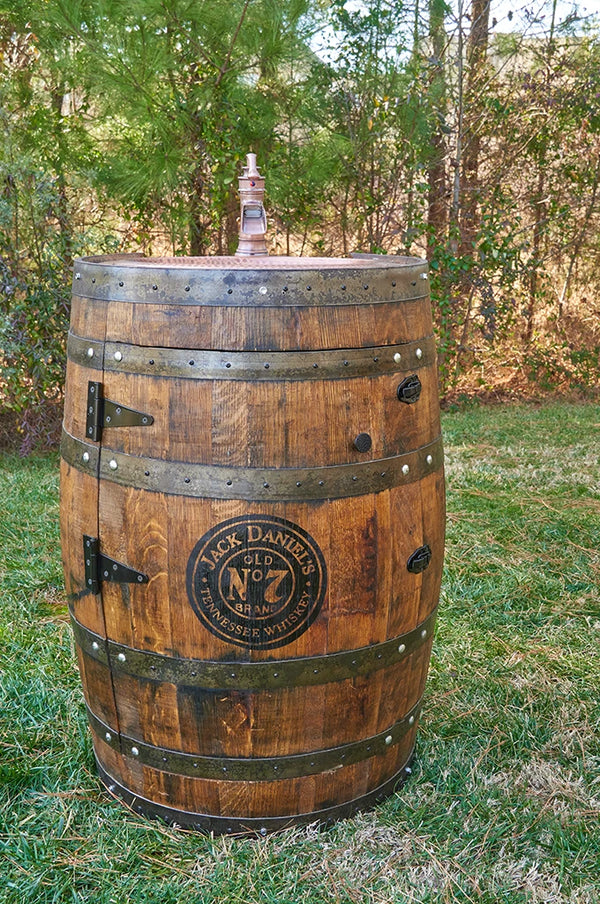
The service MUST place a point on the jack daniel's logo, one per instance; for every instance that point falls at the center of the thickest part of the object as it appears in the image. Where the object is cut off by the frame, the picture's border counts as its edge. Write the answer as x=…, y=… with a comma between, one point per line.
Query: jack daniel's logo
x=256, y=581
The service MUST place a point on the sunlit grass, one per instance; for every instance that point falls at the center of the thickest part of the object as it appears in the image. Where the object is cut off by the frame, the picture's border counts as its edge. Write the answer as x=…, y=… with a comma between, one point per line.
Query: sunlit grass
x=504, y=800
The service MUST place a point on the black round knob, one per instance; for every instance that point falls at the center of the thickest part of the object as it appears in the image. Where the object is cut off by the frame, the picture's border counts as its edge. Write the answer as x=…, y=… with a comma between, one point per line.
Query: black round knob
x=363, y=442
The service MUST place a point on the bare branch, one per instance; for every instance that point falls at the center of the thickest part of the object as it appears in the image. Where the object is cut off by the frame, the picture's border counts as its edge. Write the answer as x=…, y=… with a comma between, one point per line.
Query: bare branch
x=225, y=65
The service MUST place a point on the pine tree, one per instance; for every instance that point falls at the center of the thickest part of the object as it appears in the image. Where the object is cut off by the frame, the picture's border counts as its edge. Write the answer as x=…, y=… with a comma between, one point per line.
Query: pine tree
x=179, y=92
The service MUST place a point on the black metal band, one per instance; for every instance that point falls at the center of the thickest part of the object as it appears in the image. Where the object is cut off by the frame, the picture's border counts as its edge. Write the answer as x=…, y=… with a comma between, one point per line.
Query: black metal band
x=85, y=352
x=273, y=282
x=254, y=769
x=224, y=825
x=258, y=484
x=81, y=455
x=242, y=676
x=201, y=364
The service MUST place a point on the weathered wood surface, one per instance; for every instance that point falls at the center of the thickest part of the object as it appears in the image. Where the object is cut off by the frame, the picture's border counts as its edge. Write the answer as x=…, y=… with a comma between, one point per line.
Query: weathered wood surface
x=363, y=541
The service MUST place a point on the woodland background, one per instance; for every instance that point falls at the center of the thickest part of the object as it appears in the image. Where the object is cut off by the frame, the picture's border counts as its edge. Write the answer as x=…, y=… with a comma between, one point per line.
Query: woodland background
x=410, y=127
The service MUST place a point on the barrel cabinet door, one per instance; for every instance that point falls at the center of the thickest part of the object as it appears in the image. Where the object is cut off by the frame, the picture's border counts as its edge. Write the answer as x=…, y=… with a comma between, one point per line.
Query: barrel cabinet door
x=79, y=507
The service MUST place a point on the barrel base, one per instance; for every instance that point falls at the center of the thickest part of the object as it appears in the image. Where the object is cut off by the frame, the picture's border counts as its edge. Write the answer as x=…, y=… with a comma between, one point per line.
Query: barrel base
x=223, y=825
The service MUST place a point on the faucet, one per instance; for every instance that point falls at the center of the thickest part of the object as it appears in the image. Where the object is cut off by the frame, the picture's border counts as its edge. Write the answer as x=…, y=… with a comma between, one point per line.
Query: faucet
x=253, y=219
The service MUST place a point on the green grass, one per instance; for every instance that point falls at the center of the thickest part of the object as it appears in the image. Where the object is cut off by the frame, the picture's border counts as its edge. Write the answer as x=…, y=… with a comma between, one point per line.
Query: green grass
x=504, y=799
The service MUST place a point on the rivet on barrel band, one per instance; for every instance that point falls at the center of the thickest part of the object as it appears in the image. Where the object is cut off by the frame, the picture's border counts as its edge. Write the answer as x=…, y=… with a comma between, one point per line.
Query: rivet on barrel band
x=254, y=825
x=259, y=768
x=80, y=454
x=225, y=482
x=86, y=352
x=250, y=366
x=301, y=671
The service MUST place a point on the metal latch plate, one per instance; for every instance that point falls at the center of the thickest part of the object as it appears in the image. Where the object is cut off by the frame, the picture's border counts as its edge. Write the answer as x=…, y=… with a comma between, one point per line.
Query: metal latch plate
x=409, y=390
x=420, y=559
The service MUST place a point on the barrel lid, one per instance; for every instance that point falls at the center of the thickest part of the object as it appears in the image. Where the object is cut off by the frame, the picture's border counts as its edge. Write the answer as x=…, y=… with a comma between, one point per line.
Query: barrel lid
x=273, y=281
x=272, y=262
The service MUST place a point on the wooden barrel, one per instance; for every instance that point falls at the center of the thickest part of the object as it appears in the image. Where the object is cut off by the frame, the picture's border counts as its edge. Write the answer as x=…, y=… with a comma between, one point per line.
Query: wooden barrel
x=252, y=518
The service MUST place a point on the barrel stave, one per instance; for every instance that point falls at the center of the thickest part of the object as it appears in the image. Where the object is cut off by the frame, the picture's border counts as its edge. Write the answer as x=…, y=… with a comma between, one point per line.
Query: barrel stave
x=256, y=383
x=215, y=722
x=257, y=799
x=231, y=328
x=283, y=423
x=368, y=602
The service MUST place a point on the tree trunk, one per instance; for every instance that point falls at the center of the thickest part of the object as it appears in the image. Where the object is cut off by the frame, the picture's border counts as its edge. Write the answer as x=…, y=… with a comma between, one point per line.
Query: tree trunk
x=62, y=203
x=538, y=228
x=460, y=115
x=437, y=188
x=476, y=55
x=197, y=225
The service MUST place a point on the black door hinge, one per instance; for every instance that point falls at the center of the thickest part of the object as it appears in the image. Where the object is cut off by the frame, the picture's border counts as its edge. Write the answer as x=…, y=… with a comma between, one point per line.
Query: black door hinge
x=102, y=413
x=99, y=567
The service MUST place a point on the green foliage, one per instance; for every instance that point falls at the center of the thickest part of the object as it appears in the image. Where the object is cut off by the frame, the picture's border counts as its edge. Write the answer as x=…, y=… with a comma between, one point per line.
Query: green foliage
x=379, y=106
x=33, y=299
x=44, y=153
x=123, y=127
x=555, y=369
x=188, y=89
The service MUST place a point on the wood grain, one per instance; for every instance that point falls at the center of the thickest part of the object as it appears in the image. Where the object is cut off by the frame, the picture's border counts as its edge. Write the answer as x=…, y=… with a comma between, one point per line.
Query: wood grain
x=286, y=797
x=365, y=542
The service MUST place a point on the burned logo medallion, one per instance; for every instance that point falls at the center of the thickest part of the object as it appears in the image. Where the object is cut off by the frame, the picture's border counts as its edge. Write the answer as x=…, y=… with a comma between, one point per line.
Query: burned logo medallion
x=256, y=581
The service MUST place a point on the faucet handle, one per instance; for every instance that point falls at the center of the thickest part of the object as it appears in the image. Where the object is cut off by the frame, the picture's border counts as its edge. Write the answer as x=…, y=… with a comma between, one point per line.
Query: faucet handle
x=251, y=169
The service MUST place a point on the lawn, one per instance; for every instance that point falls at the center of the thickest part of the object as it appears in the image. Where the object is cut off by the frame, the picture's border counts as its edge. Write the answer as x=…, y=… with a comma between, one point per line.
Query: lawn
x=504, y=799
